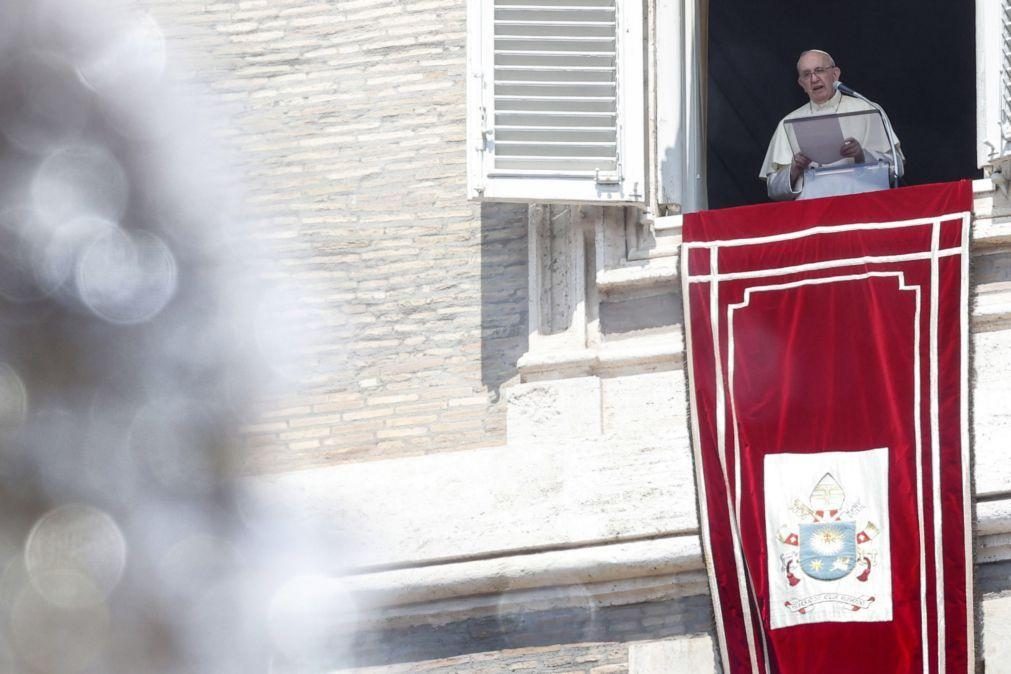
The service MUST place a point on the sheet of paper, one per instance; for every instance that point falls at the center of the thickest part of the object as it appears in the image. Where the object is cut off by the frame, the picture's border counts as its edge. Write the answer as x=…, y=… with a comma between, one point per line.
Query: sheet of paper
x=819, y=138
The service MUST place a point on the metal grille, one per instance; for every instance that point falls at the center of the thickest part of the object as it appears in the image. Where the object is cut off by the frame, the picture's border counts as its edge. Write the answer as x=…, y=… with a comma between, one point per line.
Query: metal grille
x=555, y=86
x=1005, y=90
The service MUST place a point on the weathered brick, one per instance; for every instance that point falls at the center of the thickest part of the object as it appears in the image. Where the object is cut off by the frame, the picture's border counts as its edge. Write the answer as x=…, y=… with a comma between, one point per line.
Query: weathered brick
x=402, y=433
x=367, y=414
x=351, y=115
x=412, y=421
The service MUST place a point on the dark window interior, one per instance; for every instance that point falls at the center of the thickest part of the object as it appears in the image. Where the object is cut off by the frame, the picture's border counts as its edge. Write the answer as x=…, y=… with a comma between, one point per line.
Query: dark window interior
x=916, y=58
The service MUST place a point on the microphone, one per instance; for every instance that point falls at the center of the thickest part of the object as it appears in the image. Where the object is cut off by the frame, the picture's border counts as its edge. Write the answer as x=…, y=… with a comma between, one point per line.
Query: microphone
x=839, y=86
x=896, y=170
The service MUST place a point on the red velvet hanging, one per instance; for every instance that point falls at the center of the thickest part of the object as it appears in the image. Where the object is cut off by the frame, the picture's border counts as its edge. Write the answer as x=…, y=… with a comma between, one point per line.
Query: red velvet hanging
x=827, y=356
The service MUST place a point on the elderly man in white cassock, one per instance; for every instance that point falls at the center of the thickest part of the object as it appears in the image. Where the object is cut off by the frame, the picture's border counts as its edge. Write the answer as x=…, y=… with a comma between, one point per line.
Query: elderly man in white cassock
x=785, y=166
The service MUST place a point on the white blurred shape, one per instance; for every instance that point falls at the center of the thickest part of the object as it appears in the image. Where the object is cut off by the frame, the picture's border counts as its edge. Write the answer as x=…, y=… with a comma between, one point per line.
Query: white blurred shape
x=10, y=23
x=312, y=619
x=75, y=556
x=134, y=55
x=56, y=259
x=176, y=439
x=50, y=107
x=196, y=562
x=75, y=26
x=126, y=277
x=79, y=180
x=142, y=112
x=13, y=398
x=225, y=627
x=281, y=325
x=19, y=254
x=55, y=639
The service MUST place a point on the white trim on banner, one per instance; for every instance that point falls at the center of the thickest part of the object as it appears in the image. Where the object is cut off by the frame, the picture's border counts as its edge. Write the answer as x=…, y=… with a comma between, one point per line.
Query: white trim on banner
x=970, y=617
x=935, y=448
x=828, y=264
x=743, y=575
x=701, y=483
x=826, y=229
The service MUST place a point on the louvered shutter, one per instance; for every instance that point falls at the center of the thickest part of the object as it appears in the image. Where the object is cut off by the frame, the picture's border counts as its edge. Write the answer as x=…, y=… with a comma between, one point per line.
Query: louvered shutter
x=1005, y=75
x=556, y=100
x=993, y=80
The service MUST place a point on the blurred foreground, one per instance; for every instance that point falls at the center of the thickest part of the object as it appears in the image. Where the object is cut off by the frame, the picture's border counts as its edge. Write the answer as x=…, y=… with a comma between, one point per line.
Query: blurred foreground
x=134, y=336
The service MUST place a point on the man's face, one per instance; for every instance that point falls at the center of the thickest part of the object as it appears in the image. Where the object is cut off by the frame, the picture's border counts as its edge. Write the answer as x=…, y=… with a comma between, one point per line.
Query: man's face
x=817, y=85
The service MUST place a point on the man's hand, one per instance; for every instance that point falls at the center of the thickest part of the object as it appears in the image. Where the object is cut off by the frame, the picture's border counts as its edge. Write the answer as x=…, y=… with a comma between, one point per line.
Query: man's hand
x=851, y=148
x=797, y=167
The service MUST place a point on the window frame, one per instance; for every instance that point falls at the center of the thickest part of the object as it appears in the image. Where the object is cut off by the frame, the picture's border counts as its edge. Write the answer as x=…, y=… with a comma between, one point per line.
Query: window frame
x=628, y=186
x=993, y=128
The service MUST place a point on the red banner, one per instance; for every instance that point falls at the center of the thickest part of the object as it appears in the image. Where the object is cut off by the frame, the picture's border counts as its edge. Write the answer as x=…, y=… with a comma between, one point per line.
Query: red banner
x=828, y=366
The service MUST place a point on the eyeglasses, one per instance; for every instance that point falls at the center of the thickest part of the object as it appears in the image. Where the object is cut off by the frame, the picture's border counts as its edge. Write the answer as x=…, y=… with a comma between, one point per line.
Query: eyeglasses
x=819, y=71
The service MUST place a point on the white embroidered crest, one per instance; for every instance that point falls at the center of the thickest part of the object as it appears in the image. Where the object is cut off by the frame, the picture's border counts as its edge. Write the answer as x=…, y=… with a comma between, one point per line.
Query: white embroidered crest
x=825, y=553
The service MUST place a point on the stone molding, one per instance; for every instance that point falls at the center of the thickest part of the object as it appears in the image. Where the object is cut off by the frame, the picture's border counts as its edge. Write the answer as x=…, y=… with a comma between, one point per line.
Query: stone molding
x=648, y=264
x=592, y=500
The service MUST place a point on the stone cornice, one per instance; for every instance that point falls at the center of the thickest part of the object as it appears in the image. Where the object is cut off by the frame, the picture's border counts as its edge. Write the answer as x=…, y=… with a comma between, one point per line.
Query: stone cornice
x=606, y=574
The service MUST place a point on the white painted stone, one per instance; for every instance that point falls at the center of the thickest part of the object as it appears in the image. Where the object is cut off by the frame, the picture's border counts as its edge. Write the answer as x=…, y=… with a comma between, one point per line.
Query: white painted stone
x=683, y=655
x=646, y=404
x=566, y=409
x=997, y=634
x=623, y=356
x=992, y=411
x=487, y=501
x=609, y=569
x=639, y=274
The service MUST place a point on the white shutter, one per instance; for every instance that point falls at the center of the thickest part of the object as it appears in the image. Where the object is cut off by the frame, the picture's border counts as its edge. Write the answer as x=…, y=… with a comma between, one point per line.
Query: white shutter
x=1005, y=74
x=555, y=100
x=993, y=80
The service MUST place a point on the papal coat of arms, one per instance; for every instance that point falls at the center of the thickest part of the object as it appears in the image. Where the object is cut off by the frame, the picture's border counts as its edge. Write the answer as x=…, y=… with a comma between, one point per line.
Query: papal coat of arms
x=826, y=544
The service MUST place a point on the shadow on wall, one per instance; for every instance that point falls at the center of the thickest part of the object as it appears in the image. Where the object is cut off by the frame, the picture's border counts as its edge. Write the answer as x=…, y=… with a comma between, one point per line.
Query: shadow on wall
x=573, y=637
x=504, y=335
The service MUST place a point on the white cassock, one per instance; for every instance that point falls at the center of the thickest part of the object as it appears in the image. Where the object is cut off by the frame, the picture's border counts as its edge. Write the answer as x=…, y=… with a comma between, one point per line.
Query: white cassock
x=776, y=168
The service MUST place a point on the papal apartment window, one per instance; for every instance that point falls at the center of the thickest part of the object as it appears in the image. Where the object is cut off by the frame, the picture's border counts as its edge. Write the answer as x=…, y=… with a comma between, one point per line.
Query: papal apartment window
x=669, y=105
x=916, y=58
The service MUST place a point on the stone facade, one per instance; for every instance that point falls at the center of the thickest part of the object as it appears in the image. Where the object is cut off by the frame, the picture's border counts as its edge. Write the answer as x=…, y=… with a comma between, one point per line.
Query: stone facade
x=347, y=119
x=541, y=344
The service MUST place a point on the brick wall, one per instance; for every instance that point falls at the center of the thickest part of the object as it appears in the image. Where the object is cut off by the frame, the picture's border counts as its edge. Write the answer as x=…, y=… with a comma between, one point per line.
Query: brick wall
x=348, y=120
